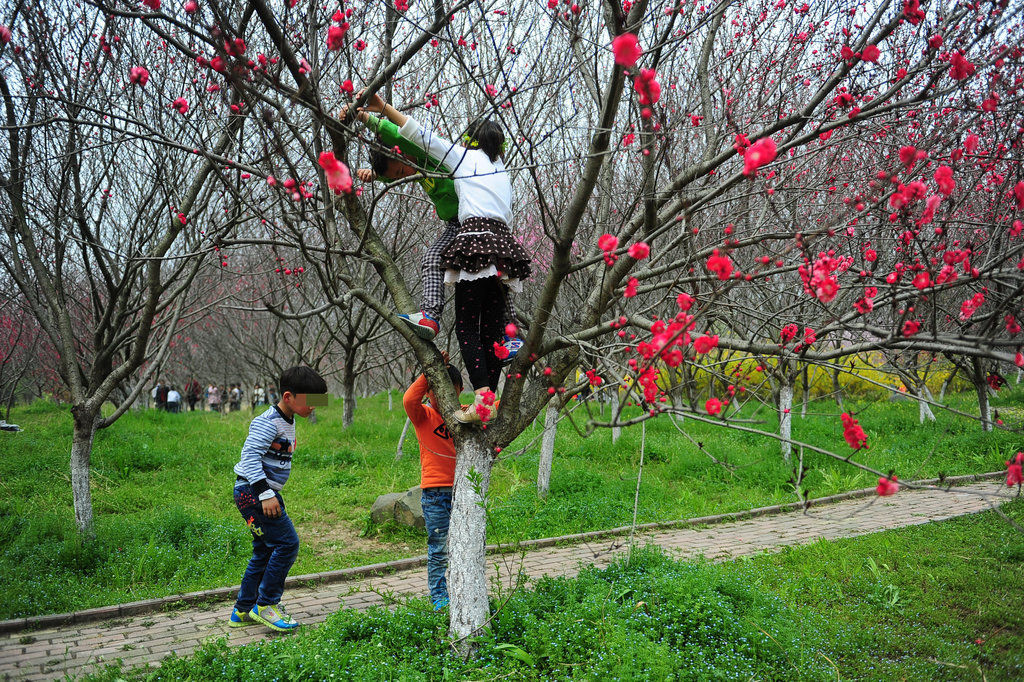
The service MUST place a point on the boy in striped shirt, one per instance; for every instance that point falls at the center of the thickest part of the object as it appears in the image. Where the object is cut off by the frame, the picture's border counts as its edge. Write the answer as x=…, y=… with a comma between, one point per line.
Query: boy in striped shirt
x=260, y=475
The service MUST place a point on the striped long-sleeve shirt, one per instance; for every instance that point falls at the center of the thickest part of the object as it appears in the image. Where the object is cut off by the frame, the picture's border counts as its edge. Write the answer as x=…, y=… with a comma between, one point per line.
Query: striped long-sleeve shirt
x=266, y=458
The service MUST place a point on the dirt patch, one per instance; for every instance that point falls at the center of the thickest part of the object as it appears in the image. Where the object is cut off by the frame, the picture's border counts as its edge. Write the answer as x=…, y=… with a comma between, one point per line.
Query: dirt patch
x=339, y=539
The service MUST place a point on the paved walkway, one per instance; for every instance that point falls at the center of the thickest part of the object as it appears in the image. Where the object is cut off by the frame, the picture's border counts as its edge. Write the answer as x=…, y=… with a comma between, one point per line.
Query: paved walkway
x=54, y=653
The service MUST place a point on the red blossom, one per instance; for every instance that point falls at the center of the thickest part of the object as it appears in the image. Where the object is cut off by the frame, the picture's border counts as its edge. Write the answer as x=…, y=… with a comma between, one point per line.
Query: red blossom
x=759, y=154
x=944, y=180
x=338, y=177
x=911, y=327
x=500, y=351
x=335, y=37
x=639, y=251
x=684, y=301
x=510, y=330
x=152, y=4
x=607, y=242
x=853, y=433
x=713, y=406
x=871, y=53
x=138, y=75
x=960, y=68
x=648, y=87
x=627, y=50
x=630, y=291
x=1015, y=470
x=181, y=104
x=888, y=486
x=788, y=333
x=1018, y=194
x=720, y=265
x=5, y=34
x=705, y=344
x=191, y=7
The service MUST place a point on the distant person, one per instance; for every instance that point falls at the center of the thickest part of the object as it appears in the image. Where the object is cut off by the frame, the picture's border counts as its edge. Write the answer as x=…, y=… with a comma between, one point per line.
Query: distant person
x=261, y=473
x=272, y=395
x=161, y=397
x=236, y=398
x=259, y=396
x=225, y=399
x=155, y=394
x=213, y=398
x=173, y=400
x=437, y=475
x=192, y=389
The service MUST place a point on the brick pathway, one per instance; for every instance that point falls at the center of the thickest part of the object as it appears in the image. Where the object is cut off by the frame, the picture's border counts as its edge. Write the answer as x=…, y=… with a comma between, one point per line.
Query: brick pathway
x=56, y=652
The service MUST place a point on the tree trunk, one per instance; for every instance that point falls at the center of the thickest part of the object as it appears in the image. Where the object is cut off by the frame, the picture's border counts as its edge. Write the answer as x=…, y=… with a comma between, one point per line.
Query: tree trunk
x=390, y=403
x=924, y=409
x=81, y=457
x=467, y=534
x=806, y=386
x=348, y=398
x=786, y=418
x=981, y=388
x=837, y=388
x=399, y=453
x=616, y=430
x=547, y=449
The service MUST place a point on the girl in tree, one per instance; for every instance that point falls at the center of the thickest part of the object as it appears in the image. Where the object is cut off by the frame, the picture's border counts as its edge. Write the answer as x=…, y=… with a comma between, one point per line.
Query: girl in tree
x=483, y=261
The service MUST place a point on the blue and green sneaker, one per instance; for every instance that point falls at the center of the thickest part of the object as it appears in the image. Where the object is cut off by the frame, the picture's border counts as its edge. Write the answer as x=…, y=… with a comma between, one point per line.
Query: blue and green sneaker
x=274, y=617
x=240, y=619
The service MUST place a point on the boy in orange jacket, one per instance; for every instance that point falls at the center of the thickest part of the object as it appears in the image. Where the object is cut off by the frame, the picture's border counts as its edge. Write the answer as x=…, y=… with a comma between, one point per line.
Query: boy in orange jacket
x=437, y=474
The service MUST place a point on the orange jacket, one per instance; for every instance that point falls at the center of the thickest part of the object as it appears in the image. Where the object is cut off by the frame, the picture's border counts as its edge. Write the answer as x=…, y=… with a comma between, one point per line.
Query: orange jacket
x=437, y=452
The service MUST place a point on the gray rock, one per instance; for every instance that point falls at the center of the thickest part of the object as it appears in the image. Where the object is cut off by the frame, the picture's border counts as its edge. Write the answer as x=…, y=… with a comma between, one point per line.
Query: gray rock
x=383, y=507
x=408, y=510
x=898, y=396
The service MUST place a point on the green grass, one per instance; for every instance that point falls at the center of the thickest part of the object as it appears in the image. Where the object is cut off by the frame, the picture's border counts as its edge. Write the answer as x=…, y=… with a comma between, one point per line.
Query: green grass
x=939, y=601
x=165, y=522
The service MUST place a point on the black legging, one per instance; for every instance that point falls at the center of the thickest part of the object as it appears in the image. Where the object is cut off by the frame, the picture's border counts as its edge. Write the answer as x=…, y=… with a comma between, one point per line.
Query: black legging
x=479, y=317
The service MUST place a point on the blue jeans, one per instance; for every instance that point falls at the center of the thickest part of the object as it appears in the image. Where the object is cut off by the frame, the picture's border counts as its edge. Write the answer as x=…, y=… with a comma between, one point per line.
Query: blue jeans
x=274, y=548
x=437, y=512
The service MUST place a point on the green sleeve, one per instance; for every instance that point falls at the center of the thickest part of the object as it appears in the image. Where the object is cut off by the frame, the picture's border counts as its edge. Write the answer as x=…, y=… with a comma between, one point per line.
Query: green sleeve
x=389, y=135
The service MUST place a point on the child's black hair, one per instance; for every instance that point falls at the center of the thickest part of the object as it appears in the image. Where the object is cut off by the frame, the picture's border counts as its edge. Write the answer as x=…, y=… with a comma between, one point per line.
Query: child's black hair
x=489, y=136
x=456, y=377
x=301, y=379
x=379, y=162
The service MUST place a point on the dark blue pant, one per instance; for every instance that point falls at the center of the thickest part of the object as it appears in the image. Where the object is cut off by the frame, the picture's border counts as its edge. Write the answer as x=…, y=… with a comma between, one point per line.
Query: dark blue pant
x=274, y=548
x=437, y=513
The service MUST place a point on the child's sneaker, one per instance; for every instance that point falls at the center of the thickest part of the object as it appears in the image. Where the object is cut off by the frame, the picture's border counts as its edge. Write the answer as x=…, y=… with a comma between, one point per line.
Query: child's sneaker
x=441, y=604
x=240, y=619
x=424, y=325
x=471, y=414
x=513, y=344
x=274, y=617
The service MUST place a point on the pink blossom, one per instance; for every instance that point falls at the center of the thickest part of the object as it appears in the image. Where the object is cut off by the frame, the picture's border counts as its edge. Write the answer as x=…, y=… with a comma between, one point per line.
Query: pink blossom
x=759, y=154
x=911, y=327
x=181, y=104
x=510, y=330
x=935, y=42
x=138, y=75
x=500, y=351
x=922, y=280
x=152, y=4
x=347, y=87
x=338, y=177
x=191, y=7
x=1018, y=194
x=788, y=333
x=684, y=301
x=639, y=250
x=713, y=405
x=630, y=291
x=871, y=53
x=912, y=11
x=5, y=34
x=627, y=50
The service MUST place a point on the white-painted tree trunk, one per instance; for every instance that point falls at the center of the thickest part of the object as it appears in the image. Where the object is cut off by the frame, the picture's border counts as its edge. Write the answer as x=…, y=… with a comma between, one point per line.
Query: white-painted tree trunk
x=786, y=419
x=984, y=408
x=467, y=534
x=924, y=409
x=547, y=449
x=390, y=404
x=616, y=430
x=399, y=453
x=81, y=456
